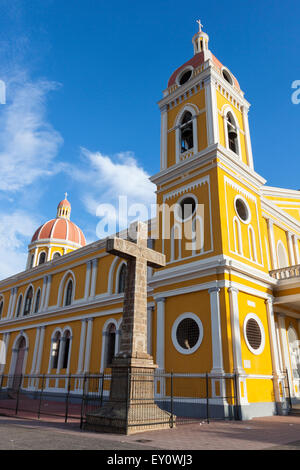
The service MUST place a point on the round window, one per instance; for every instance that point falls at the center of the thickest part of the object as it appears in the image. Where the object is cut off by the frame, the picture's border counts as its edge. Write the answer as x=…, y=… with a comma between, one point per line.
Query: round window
x=242, y=209
x=254, y=334
x=185, y=77
x=187, y=333
x=227, y=76
x=186, y=209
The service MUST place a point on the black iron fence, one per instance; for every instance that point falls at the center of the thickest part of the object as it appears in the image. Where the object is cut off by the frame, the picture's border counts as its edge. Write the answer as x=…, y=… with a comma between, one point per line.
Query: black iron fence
x=171, y=398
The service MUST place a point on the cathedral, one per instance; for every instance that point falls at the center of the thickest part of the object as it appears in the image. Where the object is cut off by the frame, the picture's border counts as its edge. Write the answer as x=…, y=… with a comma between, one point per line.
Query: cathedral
x=226, y=303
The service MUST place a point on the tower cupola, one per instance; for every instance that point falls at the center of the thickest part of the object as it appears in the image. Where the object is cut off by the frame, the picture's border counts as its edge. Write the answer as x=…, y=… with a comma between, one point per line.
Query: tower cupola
x=64, y=209
x=200, y=41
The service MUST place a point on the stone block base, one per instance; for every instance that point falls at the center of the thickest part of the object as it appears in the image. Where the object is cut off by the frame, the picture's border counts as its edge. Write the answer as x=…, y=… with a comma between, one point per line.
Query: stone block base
x=112, y=419
x=131, y=407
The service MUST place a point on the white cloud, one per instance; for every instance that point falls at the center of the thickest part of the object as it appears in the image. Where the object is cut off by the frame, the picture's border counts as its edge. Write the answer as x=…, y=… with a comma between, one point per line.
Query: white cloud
x=28, y=143
x=16, y=230
x=104, y=180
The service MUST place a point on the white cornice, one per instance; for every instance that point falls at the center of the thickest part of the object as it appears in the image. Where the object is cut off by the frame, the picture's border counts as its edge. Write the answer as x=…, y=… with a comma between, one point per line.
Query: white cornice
x=281, y=192
x=203, y=158
x=277, y=213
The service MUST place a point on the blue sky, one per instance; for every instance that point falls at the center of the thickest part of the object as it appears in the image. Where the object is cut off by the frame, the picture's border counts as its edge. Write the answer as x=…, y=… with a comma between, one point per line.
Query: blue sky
x=83, y=80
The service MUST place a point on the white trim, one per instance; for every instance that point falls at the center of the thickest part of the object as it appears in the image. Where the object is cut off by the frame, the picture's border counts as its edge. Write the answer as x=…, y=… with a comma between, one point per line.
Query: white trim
x=248, y=219
x=178, y=320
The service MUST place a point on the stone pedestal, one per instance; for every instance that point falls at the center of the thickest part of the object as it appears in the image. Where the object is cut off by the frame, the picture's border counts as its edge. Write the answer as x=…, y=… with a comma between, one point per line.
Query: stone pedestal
x=131, y=407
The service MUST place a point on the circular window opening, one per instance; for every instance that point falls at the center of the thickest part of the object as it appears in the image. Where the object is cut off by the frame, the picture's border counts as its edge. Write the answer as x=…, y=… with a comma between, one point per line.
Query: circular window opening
x=185, y=77
x=242, y=210
x=187, y=333
x=187, y=208
x=253, y=334
x=227, y=76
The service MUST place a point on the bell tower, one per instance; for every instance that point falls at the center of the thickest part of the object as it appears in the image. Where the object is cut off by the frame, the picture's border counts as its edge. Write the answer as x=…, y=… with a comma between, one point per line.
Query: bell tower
x=204, y=128
x=203, y=106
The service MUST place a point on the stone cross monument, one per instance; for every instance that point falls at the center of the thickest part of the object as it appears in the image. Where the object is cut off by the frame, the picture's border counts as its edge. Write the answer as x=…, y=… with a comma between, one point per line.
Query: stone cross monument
x=131, y=406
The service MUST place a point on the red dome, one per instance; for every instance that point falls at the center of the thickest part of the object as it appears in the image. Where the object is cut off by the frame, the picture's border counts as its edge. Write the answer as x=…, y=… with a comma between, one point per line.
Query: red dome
x=60, y=229
x=195, y=61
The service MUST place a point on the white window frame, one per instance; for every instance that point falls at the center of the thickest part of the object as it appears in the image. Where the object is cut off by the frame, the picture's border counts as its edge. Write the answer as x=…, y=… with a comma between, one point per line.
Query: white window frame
x=179, y=319
x=253, y=316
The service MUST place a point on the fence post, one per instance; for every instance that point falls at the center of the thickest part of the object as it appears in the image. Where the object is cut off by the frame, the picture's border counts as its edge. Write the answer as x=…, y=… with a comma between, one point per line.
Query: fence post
x=288, y=387
x=67, y=398
x=41, y=394
x=101, y=390
x=172, y=397
x=128, y=396
x=207, y=400
x=83, y=401
x=236, y=400
x=18, y=394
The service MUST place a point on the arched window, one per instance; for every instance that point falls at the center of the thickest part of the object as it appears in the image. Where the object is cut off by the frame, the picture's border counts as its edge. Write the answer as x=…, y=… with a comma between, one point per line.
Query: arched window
x=42, y=258
x=69, y=293
x=110, y=344
x=186, y=132
x=67, y=339
x=282, y=255
x=37, y=301
x=1, y=307
x=28, y=301
x=122, y=279
x=232, y=133
x=56, y=255
x=55, y=350
x=19, y=306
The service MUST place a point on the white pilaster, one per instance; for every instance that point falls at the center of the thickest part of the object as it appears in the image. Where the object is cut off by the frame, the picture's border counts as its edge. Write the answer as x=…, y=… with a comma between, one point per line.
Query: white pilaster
x=216, y=331
x=94, y=277
x=88, y=345
x=41, y=348
x=247, y=138
x=160, y=332
x=274, y=350
x=296, y=249
x=272, y=243
x=211, y=111
x=47, y=294
x=164, y=137
x=35, y=352
x=285, y=350
x=13, y=303
x=236, y=346
x=87, y=279
x=81, y=346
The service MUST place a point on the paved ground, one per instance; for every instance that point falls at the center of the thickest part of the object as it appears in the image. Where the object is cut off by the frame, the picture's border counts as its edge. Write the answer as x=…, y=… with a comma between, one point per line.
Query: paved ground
x=277, y=432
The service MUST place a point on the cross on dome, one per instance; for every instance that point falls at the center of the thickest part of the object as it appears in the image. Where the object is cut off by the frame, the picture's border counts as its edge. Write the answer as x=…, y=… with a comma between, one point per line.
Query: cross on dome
x=200, y=25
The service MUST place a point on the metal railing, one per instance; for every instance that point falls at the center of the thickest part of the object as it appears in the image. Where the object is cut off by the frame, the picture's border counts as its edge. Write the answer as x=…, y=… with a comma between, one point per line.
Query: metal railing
x=179, y=398
x=163, y=398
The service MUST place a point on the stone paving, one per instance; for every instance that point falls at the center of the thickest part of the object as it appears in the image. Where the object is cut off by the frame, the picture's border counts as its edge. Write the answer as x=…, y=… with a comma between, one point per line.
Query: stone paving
x=275, y=433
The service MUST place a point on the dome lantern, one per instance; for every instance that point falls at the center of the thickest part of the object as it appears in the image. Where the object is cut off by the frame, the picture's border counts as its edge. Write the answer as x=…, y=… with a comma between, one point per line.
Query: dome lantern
x=64, y=209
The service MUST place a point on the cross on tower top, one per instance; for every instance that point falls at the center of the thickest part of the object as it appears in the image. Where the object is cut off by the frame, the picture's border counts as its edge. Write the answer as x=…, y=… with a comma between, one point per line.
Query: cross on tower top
x=200, y=25
x=66, y=195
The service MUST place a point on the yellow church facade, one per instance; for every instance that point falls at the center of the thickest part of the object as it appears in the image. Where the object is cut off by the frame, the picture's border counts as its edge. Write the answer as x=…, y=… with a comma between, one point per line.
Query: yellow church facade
x=228, y=300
